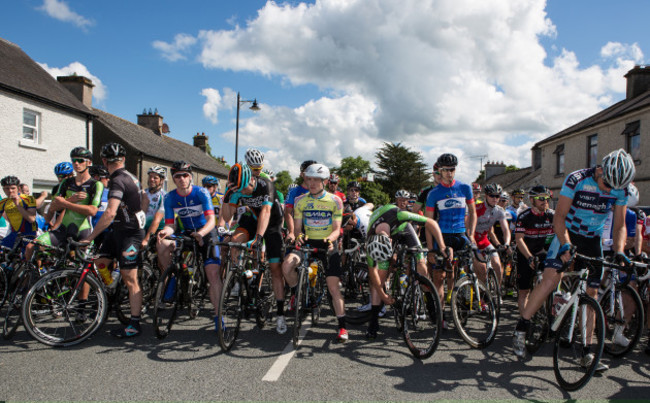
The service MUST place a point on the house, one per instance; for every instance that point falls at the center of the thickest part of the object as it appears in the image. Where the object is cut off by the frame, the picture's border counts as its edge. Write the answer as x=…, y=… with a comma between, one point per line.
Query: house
x=41, y=121
x=523, y=178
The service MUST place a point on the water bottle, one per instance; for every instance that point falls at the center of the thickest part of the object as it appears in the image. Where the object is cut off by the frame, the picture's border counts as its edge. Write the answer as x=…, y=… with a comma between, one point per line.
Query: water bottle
x=115, y=276
x=461, y=274
x=171, y=289
x=403, y=283
x=559, y=300
x=105, y=272
x=313, y=272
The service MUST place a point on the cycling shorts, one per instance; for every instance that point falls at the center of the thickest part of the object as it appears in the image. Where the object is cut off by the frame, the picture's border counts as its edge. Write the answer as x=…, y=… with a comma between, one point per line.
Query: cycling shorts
x=124, y=246
x=456, y=241
x=333, y=266
x=59, y=237
x=272, y=237
x=588, y=246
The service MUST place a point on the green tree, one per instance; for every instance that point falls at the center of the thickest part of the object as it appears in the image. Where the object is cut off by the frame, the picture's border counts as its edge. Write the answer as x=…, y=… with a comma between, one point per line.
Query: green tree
x=400, y=168
x=352, y=168
x=511, y=168
x=282, y=181
x=373, y=193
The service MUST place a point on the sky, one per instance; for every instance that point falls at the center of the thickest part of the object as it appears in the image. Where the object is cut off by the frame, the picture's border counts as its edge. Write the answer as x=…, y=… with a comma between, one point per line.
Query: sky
x=484, y=80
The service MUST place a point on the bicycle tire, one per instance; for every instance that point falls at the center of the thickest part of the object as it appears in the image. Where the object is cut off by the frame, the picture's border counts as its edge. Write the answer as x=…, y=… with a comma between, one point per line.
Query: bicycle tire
x=147, y=279
x=20, y=288
x=398, y=296
x=495, y=290
x=568, y=352
x=356, y=292
x=300, y=310
x=166, y=306
x=422, y=318
x=4, y=286
x=231, y=310
x=539, y=328
x=318, y=294
x=265, y=299
x=475, y=319
x=632, y=330
x=121, y=304
x=197, y=291
x=53, y=319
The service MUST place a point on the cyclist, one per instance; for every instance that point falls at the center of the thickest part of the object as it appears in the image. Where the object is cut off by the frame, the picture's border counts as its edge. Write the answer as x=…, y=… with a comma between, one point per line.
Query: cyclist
x=153, y=202
x=19, y=209
x=402, y=198
x=487, y=214
x=634, y=220
x=476, y=191
x=450, y=200
x=518, y=205
x=62, y=170
x=533, y=235
x=503, y=203
x=124, y=214
x=333, y=187
x=317, y=220
x=255, y=161
x=389, y=224
x=424, y=193
x=211, y=184
x=294, y=192
x=353, y=199
x=101, y=174
x=264, y=223
x=586, y=197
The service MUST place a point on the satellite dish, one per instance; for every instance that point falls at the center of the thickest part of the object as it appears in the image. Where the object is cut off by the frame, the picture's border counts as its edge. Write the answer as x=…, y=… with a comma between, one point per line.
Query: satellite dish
x=165, y=128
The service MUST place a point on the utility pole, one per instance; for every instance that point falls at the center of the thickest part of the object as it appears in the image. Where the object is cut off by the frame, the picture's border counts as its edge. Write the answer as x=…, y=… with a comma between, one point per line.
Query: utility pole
x=480, y=157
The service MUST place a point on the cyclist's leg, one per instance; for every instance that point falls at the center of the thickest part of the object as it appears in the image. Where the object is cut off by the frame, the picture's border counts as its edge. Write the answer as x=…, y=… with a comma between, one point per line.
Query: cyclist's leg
x=273, y=239
x=496, y=264
x=333, y=276
x=525, y=277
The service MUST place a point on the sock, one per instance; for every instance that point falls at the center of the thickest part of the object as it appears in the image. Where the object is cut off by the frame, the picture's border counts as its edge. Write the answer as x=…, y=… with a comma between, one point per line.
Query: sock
x=280, y=311
x=341, y=320
x=523, y=325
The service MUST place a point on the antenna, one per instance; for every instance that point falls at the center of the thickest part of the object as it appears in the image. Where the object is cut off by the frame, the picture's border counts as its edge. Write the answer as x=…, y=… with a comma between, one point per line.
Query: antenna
x=479, y=157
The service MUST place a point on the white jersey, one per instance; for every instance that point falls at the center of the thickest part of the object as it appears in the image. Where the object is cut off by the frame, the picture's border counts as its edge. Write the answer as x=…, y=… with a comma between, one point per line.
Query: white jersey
x=606, y=236
x=155, y=205
x=363, y=218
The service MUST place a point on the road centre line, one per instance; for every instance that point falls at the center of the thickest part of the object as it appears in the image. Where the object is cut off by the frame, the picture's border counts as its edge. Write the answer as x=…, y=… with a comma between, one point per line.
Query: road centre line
x=282, y=361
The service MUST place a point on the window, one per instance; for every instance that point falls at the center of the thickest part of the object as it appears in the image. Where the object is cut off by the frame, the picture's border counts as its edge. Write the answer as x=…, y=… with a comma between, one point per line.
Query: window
x=559, y=161
x=632, y=134
x=592, y=151
x=31, y=121
x=537, y=158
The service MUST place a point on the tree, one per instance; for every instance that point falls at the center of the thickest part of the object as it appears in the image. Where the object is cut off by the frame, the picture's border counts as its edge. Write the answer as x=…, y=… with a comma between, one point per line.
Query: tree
x=352, y=168
x=400, y=168
x=282, y=181
x=511, y=168
x=372, y=192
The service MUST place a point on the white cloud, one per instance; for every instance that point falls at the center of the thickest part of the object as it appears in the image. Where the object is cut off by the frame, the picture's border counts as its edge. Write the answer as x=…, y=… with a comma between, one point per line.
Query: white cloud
x=212, y=104
x=437, y=75
x=59, y=10
x=99, y=91
x=176, y=50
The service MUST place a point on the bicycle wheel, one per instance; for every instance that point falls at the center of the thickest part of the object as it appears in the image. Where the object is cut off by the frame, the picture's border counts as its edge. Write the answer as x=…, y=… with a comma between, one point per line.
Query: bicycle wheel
x=397, y=292
x=121, y=304
x=318, y=294
x=495, y=290
x=422, y=318
x=167, y=301
x=474, y=316
x=300, y=310
x=4, y=286
x=53, y=317
x=265, y=299
x=539, y=329
x=618, y=331
x=148, y=276
x=19, y=285
x=231, y=310
x=197, y=291
x=572, y=364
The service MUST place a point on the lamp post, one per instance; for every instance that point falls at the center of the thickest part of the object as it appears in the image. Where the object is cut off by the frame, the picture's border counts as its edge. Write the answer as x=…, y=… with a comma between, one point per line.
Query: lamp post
x=254, y=108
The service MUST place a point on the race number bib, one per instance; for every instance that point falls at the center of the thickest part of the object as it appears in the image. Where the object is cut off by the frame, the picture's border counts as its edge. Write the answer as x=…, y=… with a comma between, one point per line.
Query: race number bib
x=142, y=218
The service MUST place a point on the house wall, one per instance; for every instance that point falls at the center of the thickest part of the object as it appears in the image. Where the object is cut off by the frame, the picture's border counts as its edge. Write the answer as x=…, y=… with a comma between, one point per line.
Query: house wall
x=59, y=132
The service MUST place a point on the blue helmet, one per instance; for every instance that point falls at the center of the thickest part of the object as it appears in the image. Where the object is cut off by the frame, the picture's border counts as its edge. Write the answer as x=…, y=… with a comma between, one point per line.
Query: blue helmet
x=63, y=168
x=210, y=180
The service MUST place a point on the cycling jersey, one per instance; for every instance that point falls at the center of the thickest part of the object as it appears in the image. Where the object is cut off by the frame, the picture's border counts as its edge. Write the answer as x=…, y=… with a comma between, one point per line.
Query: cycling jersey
x=264, y=194
x=355, y=205
x=156, y=205
x=511, y=216
x=363, y=220
x=217, y=199
x=318, y=214
x=192, y=210
x=101, y=208
x=396, y=219
x=486, y=217
x=125, y=187
x=537, y=229
x=293, y=195
x=451, y=203
x=631, y=221
x=589, y=205
x=93, y=190
x=16, y=220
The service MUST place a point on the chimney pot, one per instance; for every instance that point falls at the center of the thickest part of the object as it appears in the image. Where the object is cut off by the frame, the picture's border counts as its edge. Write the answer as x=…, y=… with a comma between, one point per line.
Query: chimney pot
x=638, y=81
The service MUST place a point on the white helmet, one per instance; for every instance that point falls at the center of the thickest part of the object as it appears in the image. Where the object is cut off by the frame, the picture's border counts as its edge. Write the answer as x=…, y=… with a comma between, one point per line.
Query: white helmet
x=402, y=193
x=254, y=158
x=618, y=169
x=158, y=170
x=632, y=195
x=317, y=171
x=379, y=248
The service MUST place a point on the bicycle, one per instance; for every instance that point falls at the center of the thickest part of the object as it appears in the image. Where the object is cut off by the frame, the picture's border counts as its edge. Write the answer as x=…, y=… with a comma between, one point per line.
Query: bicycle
x=472, y=304
x=183, y=284
x=10, y=261
x=254, y=296
x=355, y=283
x=509, y=283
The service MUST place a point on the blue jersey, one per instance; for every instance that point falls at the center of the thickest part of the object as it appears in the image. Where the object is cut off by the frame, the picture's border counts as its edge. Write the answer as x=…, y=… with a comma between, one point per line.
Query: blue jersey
x=101, y=208
x=293, y=195
x=589, y=205
x=192, y=210
x=451, y=204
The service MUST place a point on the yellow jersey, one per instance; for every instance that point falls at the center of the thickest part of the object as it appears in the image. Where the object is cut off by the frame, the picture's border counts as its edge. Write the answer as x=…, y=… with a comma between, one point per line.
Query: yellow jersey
x=16, y=220
x=318, y=214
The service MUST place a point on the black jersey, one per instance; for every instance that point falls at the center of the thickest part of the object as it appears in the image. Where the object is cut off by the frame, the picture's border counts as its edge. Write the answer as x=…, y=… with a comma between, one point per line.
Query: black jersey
x=263, y=194
x=126, y=188
x=537, y=229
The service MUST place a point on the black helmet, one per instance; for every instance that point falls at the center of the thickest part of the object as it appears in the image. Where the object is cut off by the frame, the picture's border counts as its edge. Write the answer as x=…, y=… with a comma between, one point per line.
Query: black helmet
x=539, y=190
x=81, y=152
x=181, y=166
x=354, y=184
x=447, y=160
x=10, y=181
x=99, y=170
x=518, y=192
x=305, y=164
x=113, y=151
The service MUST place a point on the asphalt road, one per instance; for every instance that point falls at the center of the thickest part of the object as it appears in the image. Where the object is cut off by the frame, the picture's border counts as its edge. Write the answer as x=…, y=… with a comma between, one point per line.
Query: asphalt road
x=189, y=365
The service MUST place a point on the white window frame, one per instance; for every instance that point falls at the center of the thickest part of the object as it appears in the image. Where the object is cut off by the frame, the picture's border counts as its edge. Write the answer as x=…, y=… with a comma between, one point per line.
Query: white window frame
x=37, y=129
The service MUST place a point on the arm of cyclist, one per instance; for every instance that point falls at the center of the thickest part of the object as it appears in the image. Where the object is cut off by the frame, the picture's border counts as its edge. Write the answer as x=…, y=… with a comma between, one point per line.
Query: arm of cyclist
x=505, y=227
x=157, y=217
x=433, y=230
x=29, y=214
x=334, y=235
x=297, y=235
x=523, y=248
x=559, y=225
x=105, y=220
x=288, y=219
x=471, y=221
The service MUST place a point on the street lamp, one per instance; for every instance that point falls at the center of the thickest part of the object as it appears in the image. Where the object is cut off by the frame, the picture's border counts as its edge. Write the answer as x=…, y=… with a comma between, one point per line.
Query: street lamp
x=254, y=108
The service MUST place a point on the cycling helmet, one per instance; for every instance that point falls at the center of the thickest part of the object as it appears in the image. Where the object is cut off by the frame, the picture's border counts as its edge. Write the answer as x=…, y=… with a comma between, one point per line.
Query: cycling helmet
x=291, y=187
x=354, y=184
x=379, y=248
x=476, y=187
x=113, y=151
x=505, y=196
x=618, y=169
x=63, y=168
x=158, y=170
x=270, y=173
x=632, y=195
x=539, y=190
x=305, y=164
x=210, y=180
x=493, y=189
x=334, y=178
x=436, y=166
x=10, y=181
x=181, y=166
x=239, y=177
x=81, y=152
x=403, y=193
x=99, y=170
x=254, y=158
x=319, y=171
x=447, y=160
x=518, y=192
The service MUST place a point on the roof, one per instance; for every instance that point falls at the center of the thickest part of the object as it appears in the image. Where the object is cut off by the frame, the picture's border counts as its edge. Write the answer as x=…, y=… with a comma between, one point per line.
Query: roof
x=617, y=110
x=521, y=178
x=159, y=146
x=21, y=75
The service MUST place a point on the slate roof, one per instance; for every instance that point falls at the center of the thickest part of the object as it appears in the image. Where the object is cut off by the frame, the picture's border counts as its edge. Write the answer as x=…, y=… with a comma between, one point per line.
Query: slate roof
x=521, y=178
x=159, y=146
x=21, y=75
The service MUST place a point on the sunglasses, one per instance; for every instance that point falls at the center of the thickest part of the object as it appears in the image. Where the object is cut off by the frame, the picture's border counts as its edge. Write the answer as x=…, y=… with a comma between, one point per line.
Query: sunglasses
x=355, y=189
x=448, y=169
x=79, y=160
x=541, y=198
x=256, y=169
x=181, y=175
x=63, y=176
x=494, y=196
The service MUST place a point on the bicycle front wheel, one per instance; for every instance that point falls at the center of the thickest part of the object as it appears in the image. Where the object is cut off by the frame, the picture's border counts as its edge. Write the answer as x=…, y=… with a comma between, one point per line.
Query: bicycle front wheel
x=422, y=318
x=167, y=300
x=300, y=310
x=20, y=286
x=230, y=309
x=4, y=287
x=474, y=314
x=624, y=320
x=265, y=299
x=539, y=327
x=495, y=290
x=54, y=319
x=576, y=353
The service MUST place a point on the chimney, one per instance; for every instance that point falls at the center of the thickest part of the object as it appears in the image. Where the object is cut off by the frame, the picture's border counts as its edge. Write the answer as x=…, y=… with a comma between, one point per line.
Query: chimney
x=80, y=86
x=638, y=81
x=201, y=141
x=494, y=168
x=151, y=120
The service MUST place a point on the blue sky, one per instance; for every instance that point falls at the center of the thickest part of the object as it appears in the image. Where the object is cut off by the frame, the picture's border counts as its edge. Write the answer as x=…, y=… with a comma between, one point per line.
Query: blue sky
x=337, y=78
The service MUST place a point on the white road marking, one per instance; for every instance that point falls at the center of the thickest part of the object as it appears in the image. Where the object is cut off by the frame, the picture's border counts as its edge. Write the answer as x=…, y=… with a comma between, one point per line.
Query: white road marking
x=281, y=363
